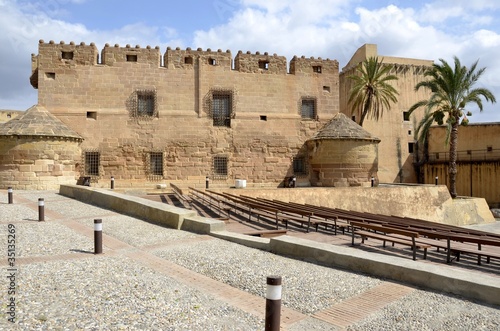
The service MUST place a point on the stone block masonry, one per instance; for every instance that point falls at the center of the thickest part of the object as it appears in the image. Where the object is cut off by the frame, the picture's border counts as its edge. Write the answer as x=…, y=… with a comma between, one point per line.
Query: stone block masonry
x=133, y=103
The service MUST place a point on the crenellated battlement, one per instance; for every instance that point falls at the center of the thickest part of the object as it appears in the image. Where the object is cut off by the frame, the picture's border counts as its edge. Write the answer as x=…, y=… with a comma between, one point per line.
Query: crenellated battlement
x=263, y=63
x=114, y=55
x=53, y=55
x=186, y=59
x=311, y=65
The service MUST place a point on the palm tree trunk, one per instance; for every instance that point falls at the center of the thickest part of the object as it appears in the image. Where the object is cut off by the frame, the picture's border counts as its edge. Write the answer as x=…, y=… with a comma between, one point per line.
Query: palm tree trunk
x=452, y=169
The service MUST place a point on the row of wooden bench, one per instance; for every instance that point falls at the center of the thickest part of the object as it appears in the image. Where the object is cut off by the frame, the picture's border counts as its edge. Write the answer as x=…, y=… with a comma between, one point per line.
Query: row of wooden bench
x=417, y=234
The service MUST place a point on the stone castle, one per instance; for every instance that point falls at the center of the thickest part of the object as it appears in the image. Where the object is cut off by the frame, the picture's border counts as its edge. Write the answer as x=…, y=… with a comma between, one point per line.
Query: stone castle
x=144, y=118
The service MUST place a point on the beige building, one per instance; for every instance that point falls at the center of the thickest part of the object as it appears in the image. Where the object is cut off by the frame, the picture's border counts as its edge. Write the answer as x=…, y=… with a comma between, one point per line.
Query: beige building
x=478, y=160
x=186, y=114
x=396, y=128
x=145, y=118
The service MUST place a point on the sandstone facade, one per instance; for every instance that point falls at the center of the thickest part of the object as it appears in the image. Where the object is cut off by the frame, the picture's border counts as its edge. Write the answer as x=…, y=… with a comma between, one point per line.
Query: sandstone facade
x=187, y=114
x=396, y=129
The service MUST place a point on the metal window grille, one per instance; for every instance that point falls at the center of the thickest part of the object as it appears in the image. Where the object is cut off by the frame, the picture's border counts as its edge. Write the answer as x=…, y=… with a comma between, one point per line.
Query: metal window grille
x=92, y=163
x=221, y=109
x=156, y=163
x=299, y=166
x=220, y=167
x=308, y=108
x=146, y=103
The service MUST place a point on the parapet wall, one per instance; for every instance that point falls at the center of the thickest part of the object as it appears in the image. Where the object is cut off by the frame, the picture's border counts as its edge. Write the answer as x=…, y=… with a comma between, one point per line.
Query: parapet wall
x=61, y=54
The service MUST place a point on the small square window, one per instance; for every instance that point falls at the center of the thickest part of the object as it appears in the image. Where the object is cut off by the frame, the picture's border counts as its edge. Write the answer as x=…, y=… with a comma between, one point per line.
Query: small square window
x=220, y=168
x=409, y=132
x=67, y=55
x=50, y=75
x=92, y=115
x=131, y=57
x=212, y=61
x=317, y=69
x=263, y=117
x=437, y=156
x=326, y=88
x=469, y=152
x=406, y=116
x=188, y=60
x=156, y=163
x=92, y=163
x=264, y=65
x=489, y=148
x=308, y=108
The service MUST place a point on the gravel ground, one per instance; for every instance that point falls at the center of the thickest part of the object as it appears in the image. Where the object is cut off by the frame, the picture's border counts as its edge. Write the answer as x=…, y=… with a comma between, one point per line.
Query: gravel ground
x=306, y=287
x=136, y=232
x=422, y=310
x=117, y=293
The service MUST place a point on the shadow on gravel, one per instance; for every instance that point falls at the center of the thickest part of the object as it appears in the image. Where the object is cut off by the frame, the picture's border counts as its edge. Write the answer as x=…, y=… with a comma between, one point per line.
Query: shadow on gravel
x=81, y=251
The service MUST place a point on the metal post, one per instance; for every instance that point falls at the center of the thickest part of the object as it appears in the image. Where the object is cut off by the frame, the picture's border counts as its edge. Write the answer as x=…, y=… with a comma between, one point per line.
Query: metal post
x=98, y=236
x=436, y=179
x=373, y=182
x=9, y=194
x=207, y=180
x=273, y=303
x=41, y=210
x=294, y=181
x=112, y=182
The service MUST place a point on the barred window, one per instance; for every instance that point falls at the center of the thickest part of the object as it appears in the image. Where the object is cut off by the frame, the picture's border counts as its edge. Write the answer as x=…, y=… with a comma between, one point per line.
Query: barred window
x=146, y=102
x=92, y=163
x=221, y=109
x=308, y=108
x=299, y=166
x=156, y=163
x=220, y=167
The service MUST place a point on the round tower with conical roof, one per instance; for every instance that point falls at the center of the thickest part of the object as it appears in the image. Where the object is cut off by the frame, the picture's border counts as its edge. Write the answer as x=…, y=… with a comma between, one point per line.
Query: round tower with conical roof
x=342, y=154
x=38, y=152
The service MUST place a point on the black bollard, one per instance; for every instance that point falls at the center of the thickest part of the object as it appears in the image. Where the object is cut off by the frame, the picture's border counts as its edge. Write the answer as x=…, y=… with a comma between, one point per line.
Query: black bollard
x=9, y=195
x=98, y=236
x=207, y=180
x=437, y=178
x=41, y=210
x=373, y=182
x=273, y=303
x=112, y=182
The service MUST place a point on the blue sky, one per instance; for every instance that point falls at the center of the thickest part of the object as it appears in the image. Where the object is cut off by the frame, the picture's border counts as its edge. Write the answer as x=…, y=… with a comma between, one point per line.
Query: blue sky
x=333, y=29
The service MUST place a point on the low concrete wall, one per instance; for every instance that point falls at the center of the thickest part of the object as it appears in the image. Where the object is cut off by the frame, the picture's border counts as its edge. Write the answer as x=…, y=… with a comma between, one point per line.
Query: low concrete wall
x=460, y=282
x=151, y=211
x=427, y=202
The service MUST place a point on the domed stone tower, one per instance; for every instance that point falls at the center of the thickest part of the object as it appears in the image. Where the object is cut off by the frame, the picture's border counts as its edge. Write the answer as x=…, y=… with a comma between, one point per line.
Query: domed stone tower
x=38, y=151
x=342, y=154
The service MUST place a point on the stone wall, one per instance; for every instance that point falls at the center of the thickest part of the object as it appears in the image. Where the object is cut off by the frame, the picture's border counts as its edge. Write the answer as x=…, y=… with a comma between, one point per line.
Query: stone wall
x=396, y=132
x=266, y=129
x=35, y=163
x=342, y=163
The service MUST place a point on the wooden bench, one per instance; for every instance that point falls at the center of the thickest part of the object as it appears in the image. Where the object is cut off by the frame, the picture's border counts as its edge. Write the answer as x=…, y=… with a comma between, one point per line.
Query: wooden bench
x=266, y=233
x=460, y=243
x=383, y=233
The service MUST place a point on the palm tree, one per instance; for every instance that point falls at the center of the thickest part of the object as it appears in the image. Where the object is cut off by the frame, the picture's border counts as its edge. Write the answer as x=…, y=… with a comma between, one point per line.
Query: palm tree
x=451, y=90
x=371, y=91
